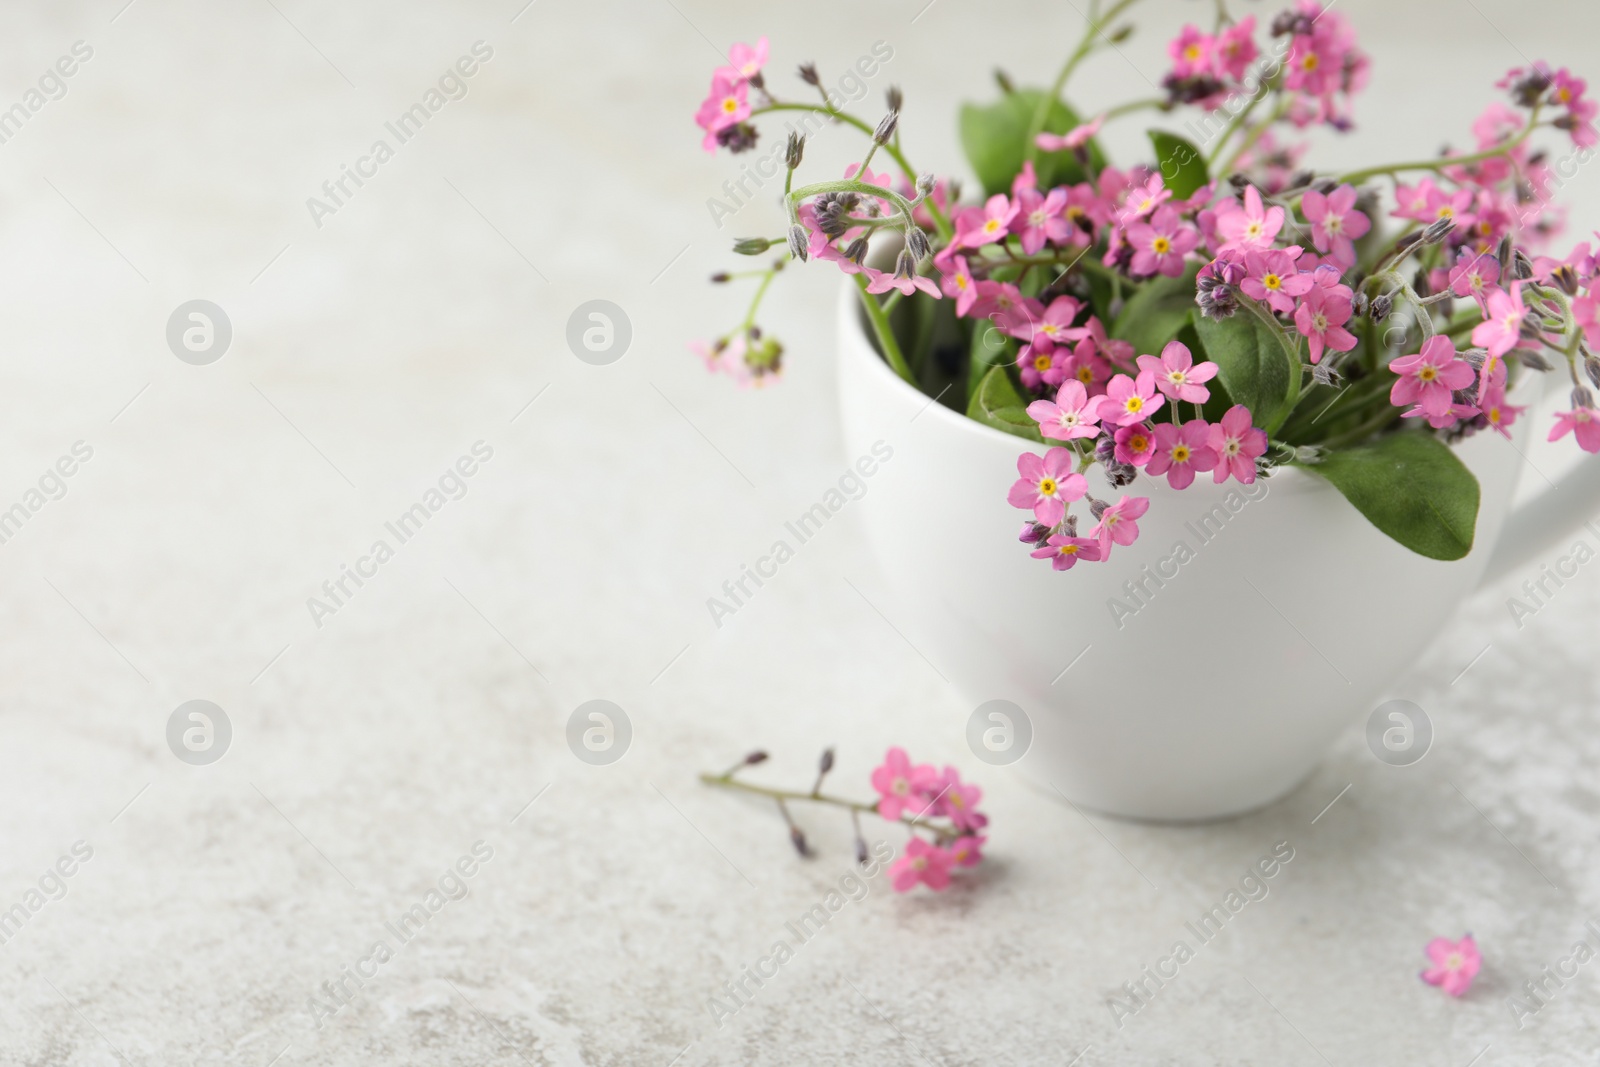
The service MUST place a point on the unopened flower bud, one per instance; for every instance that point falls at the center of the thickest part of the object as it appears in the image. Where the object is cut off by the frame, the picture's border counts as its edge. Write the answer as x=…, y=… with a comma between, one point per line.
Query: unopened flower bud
x=797, y=837
x=1521, y=266
x=797, y=242
x=856, y=251
x=1408, y=241
x=825, y=764
x=1121, y=33
x=1382, y=304
x=720, y=277
x=1238, y=181
x=1033, y=532
x=1097, y=507
x=740, y=137
x=1566, y=278
x=1121, y=475
x=861, y=851
x=1324, y=374
x=758, y=756
x=1358, y=303
x=886, y=128
x=794, y=151
x=916, y=242
x=808, y=74
x=1326, y=186
x=751, y=246
x=1437, y=231
x=925, y=183
x=1105, y=447
x=904, y=265
x=895, y=98
x=1591, y=367
x=1534, y=361
x=1581, y=397
x=1002, y=79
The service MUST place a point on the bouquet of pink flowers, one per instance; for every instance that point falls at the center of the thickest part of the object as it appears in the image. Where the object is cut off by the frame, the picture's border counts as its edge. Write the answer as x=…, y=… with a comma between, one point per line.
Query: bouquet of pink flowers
x=1216, y=310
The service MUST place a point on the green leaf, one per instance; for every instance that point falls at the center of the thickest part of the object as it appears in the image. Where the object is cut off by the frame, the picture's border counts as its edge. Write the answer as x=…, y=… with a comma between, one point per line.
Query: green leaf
x=997, y=403
x=1182, y=167
x=988, y=349
x=1251, y=364
x=1413, y=488
x=1154, y=315
x=993, y=136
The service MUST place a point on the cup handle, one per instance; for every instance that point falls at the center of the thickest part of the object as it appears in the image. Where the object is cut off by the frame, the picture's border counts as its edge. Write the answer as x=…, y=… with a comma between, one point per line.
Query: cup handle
x=1544, y=520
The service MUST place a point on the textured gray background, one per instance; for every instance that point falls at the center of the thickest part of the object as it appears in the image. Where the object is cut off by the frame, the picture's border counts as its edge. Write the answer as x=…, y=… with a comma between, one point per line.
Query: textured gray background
x=369, y=754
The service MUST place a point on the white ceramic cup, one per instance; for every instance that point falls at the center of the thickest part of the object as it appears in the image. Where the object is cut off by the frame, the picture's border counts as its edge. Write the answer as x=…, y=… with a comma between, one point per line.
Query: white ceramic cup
x=1232, y=663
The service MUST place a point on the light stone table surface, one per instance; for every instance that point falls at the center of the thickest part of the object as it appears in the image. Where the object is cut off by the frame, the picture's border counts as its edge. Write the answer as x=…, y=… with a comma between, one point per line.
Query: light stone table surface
x=377, y=745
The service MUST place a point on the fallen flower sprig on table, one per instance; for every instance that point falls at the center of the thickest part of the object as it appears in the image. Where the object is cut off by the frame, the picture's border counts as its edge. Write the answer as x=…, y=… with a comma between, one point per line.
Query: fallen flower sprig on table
x=927, y=801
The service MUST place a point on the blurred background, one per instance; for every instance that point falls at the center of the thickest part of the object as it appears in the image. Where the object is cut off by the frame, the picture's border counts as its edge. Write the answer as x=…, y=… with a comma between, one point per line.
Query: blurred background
x=371, y=745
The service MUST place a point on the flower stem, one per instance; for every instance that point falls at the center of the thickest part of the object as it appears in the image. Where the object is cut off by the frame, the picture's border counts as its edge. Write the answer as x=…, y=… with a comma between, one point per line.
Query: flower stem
x=755, y=301
x=884, y=332
x=1355, y=177
x=940, y=223
x=1041, y=111
x=783, y=796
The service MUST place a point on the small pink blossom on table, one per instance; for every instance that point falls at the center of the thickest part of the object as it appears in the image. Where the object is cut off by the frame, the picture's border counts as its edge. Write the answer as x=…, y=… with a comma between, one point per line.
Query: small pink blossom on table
x=922, y=862
x=1455, y=964
x=902, y=785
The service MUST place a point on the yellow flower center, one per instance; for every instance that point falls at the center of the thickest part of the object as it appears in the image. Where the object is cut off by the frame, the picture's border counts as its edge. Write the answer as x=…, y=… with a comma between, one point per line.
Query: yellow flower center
x=1272, y=281
x=1134, y=404
x=1161, y=246
x=1041, y=363
x=1066, y=550
x=1310, y=62
x=1085, y=374
x=1180, y=453
x=730, y=105
x=1427, y=373
x=1047, y=487
x=1494, y=416
x=1138, y=442
x=1192, y=52
x=992, y=226
x=1446, y=211
x=961, y=281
